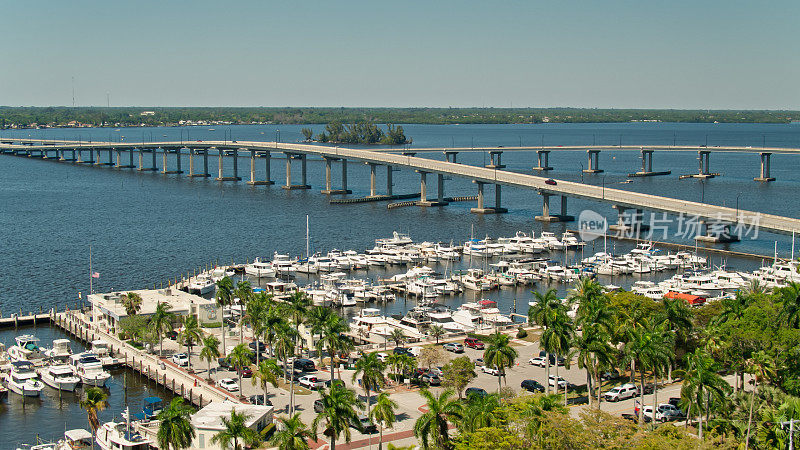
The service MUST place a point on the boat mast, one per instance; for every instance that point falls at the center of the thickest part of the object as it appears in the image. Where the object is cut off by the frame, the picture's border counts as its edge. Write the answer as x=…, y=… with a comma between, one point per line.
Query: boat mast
x=90, y=269
x=307, y=242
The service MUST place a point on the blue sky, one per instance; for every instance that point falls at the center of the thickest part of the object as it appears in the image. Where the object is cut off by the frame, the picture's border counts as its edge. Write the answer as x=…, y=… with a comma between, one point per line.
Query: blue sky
x=637, y=54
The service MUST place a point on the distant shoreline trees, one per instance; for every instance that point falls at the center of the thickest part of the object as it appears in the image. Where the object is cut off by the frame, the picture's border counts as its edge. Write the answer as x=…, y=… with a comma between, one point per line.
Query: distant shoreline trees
x=364, y=132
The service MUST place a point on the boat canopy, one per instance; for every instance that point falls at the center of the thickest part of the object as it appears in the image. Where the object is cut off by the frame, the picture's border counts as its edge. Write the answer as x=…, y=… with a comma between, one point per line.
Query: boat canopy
x=78, y=434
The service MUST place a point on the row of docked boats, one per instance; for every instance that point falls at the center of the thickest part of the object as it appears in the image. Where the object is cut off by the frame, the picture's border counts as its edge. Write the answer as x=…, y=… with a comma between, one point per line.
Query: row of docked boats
x=26, y=368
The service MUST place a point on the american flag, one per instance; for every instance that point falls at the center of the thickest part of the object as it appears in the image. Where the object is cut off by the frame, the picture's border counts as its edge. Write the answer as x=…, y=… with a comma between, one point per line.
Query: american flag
x=95, y=274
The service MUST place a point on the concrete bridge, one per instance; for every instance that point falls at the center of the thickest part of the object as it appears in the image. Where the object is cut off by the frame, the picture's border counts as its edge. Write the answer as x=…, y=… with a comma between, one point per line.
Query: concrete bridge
x=624, y=201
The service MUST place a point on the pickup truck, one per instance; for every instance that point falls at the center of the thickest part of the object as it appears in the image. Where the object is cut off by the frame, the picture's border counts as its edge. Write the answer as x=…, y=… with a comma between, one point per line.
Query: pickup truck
x=623, y=392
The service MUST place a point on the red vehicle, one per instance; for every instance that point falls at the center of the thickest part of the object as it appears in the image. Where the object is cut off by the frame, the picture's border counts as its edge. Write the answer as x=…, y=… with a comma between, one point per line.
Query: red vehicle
x=550, y=181
x=473, y=343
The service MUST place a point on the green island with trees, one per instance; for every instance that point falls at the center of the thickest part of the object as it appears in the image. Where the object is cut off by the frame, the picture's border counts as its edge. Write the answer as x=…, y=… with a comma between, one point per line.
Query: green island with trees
x=63, y=116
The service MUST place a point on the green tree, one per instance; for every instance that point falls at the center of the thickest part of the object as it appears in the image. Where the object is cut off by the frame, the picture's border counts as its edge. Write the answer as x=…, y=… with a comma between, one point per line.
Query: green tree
x=436, y=331
x=556, y=339
x=701, y=383
x=175, y=430
x=383, y=414
x=458, y=373
x=191, y=335
x=134, y=327
x=240, y=358
x=433, y=424
x=224, y=297
x=94, y=401
x=789, y=296
x=293, y=434
x=132, y=302
x=338, y=413
x=161, y=321
x=370, y=368
x=257, y=310
x=478, y=412
x=267, y=372
x=210, y=351
x=499, y=353
x=235, y=430
x=593, y=351
x=244, y=292
x=541, y=313
x=398, y=336
x=307, y=133
x=650, y=346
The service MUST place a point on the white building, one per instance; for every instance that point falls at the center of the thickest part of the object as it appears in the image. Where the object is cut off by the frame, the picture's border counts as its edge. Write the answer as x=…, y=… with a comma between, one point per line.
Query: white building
x=108, y=309
x=208, y=421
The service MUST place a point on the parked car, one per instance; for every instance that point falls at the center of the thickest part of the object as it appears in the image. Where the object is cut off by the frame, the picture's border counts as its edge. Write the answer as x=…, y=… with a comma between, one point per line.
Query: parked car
x=648, y=388
x=540, y=361
x=383, y=356
x=474, y=343
x=665, y=412
x=334, y=382
x=172, y=334
x=562, y=383
x=479, y=362
x=306, y=365
x=475, y=391
x=402, y=351
x=261, y=346
x=532, y=386
x=432, y=379
x=293, y=374
x=491, y=370
x=454, y=347
x=311, y=382
x=259, y=400
x=610, y=375
x=318, y=406
x=367, y=426
x=550, y=181
x=553, y=360
x=229, y=384
x=414, y=351
x=627, y=390
x=245, y=372
x=181, y=359
x=224, y=363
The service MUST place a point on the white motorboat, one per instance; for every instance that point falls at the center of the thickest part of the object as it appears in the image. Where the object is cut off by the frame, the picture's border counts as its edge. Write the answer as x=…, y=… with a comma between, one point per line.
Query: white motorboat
x=23, y=380
x=284, y=265
x=551, y=240
x=571, y=241
x=89, y=369
x=26, y=348
x=60, y=352
x=121, y=436
x=102, y=349
x=397, y=239
x=218, y=273
x=61, y=377
x=260, y=269
x=201, y=284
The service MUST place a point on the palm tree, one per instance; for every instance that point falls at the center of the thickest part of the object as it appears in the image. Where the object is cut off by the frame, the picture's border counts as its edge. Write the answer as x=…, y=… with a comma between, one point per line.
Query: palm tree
x=161, y=321
x=293, y=434
x=541, y=313
x=650, y=346
x=332, y=339
x=557, y=339
x=132, y=303
x=338, y=413
x=297, y=306
x=175, y=430
x=267, y=372
x=256, y=316
x=679, y=320
x=371, y=370
x=593, y=351
x=790, y=302
x=191, y=335
x=316, y=321
x=240, y=358
x=95, y=401
x=478, y=412
x=701, y=382
x=499, y=353
x=535, y=411
x=210, y=351
x=234, y=429
x=436, y=331
x=273, y=320
x=398, y=336
x=244, y=292
x=383, y=414
x=433, y=425
x=762, y=367
x=224, y=297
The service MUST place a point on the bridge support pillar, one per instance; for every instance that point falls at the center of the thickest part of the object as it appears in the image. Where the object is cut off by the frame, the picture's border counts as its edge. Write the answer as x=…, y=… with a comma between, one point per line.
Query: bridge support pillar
x=165, y=163
x=205, y=173
x=765, y=166
x=74, y=158
x=647, y=166
x=495, y=160
x=629, y=221
x=253, y=181
x=547, y=217
x=720, y=233
x=329, y=177
x=289, y=185
x=423, y=191
x=372, y=179
x=481, y=207
x=593, y=167
x=450, y=156
x=155, y=165
x=543, y=157
x=141, y=159
x=178, y=161
x=221, y=176
x=344, y=176
x=130, y=159
x=389, y=181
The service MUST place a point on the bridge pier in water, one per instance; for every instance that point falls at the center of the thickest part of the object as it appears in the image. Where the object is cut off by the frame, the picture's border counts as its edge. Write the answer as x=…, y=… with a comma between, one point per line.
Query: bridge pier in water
x=647, y=166
x=495, y=160
x=719, y=233
x=253, y=181
x=142, y=168
x=329, y=190
x=448, y=155
x=544, y=160
x=481, y=208
x=547, y=217
x=423, y=191
x=703, y=157
x=303, y=174
x=631, y=224
x=221, y=176
x=765, y=166
x=593, y=167
x=177, y=163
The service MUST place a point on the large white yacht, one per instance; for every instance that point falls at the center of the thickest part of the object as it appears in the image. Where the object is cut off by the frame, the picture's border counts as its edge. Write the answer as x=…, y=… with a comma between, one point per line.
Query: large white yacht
x=61, y=377
x=26, y=349
x=60, y=352
x=201, y=284
x=260, y=269
x=102, y=349
x=397, y=239
x=121, y=436
x=23, y=380
x=90, y=369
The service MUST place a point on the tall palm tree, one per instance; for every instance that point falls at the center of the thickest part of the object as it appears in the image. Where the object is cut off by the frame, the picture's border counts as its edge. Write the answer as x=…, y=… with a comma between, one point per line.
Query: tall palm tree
x=191, y=334
x=436, y=331
x=701, y=382
x=541, y=313
x=650, y=346
x=535, y=411
x=175, y=430
x=499, y=353
x=762, y=367
x=244, y=292
x=371, y=370
x=332, y=338
x=790, y=302
x=557, y=338
x=316, y=320
x=274, y=320
x=338, y=413
x=593, y=351
x=398, y=336
x=161, y=321
x=678, y=318
x=94, y=401
x=235, y=430
x=240, y=358
x=478, y=412
x=256, y=317
x=285, y=341
x=293, y=434
x=383, y=414
x=224, y=297
x=132, y=303
x=267, y=372
x=210, y=351
x=297, y=306
x=433, y=424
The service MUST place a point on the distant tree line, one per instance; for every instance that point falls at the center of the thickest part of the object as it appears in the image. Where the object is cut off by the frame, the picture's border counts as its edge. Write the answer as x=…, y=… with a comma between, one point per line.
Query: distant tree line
x=363, y=132
x=170, y=116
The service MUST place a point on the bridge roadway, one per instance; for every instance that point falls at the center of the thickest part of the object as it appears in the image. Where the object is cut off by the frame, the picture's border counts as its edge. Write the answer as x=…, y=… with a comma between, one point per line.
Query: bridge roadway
x=618, y=197
x=665, y=148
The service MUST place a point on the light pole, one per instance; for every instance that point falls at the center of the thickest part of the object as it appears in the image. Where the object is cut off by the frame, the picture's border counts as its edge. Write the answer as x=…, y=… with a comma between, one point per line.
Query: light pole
x=737, y=206
x=604, y=187
x=581, y=172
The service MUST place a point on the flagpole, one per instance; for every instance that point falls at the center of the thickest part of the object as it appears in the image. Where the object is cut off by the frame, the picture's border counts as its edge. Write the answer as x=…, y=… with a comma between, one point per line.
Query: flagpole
x=90, y=269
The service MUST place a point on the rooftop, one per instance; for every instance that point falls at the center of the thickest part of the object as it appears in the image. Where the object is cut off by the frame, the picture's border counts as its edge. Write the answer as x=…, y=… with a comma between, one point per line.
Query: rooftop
x=210, y=417
x=180, y=301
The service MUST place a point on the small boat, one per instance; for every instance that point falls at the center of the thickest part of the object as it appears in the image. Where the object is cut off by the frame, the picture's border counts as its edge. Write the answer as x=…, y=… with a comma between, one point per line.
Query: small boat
x=102, y=349
x=201, y=284
x=121, y=436
x=260, y=269
x=60, y=377
x=26, y=349
x=60, y=352
x=90, y=369
x=23, y=380
x=151, y=407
